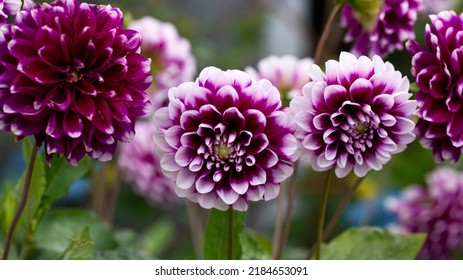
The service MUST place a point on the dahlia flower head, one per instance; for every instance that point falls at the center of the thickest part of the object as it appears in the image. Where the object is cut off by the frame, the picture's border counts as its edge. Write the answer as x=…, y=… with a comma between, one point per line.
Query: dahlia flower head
x=438, y=73
x=392, y=27
x=354, y=116
x=9, y=8
x=287, y=73
x=72, y=77
x=226, y=139
x=172, y=60
x=436, y=210
x=140, y=165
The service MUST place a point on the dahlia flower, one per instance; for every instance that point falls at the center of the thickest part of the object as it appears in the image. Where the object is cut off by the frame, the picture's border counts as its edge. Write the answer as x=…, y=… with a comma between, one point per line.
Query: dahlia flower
x=436, y=211
x=9, y=8
x=392, y=27
x=440, y=81
x=140, y=165
x=355, y=116
x=71, y=76
x=226, y=139
x=287, y=73
x=171, y=56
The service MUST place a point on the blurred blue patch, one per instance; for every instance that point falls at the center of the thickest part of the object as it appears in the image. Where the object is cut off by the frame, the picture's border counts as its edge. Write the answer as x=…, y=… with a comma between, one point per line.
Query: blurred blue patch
x=77, y=193
x=12, y=168
x=370, y=212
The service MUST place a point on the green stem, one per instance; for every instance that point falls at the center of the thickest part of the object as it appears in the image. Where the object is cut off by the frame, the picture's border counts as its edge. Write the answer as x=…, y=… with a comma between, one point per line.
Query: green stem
x=22, y=202
x=289, y=211
x=326, y=32
x=334, y=219
x=230, y=233
x=321, y=217
x=279, y=221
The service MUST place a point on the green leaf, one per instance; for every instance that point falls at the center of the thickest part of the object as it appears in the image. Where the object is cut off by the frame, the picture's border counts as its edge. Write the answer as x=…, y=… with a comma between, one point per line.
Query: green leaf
x=8, y=205
x=128, y=247
x=37, y=187
x=58, y=226
x=158, y=236
x=80, y=246
x=216, y=236
x=61, y=175
x=255, y=246
x=372, y=243
x=123, y=253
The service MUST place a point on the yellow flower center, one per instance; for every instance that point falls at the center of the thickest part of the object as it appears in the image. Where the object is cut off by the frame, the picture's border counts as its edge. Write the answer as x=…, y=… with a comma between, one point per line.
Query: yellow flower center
x=222, y=151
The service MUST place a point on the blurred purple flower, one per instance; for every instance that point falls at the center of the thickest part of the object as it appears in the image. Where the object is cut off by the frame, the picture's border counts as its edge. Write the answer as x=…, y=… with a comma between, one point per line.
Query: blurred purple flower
x=71, y=76
x=140, y=165
x=226, y=139
x=355, y=116
x=172, y=60
x=435, y=6
x=436, y=211
x=287, y=73
x=392, y=27
x=438, y=73
x=9, y=8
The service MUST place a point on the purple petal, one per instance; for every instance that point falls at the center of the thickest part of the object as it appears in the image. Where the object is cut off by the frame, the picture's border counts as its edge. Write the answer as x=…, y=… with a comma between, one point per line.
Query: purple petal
x=72, y=124
x=256, y=121
x=205, y=184
x=185, y=178
x=361, y=90
x=226, y=97
x=102, y=118
x=184, y=156
x=335, y=95
x=228, y=195
x=190, y=120
x=233, y=119
x=322, y=121
x=239, y=182
x=85, y=106
x=258, y=144
x=267, y=158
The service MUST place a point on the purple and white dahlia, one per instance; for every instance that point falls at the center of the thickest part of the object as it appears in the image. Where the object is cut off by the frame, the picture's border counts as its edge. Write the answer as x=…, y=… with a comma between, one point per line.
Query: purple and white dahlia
x=226, y=139
x=392, y=27
x=438, y=73
x=172, y=60
x=436, y=211
x=71, y=76
x=354, y=116
x=287, y=73
x=140, y=165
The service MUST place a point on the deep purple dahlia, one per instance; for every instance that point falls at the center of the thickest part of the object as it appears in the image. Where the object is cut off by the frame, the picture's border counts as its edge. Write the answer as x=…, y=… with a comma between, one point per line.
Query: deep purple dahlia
x=71, y=76
x=287, y=73
x=9, y=8
x=436, y=211
x=140, y=165
x=226, y=139
x=392, y=27
x=355, y=116
x=172, y=60
x=438, y=73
